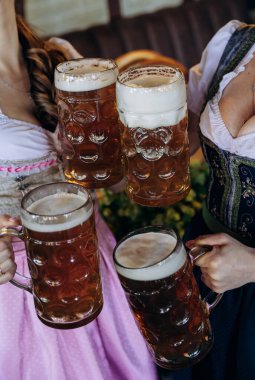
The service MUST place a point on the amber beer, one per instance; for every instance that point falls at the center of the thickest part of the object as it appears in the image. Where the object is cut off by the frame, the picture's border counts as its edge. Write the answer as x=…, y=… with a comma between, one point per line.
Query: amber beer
x=153, y=111
x=156, y=275
x=88, y=119
x=61, y=242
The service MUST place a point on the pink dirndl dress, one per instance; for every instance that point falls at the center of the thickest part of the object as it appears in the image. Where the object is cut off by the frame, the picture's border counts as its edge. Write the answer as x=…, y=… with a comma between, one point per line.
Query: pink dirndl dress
x=109, y=348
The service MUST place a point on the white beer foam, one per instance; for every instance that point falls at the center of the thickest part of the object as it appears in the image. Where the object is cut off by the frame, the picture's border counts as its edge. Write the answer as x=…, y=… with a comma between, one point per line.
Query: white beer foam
x=56, y=205
x=85, y=74
x=151, y=101
x=140, y=254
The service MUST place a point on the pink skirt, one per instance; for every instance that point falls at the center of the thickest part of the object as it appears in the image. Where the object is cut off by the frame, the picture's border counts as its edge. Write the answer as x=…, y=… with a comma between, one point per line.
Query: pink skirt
x=109, y=348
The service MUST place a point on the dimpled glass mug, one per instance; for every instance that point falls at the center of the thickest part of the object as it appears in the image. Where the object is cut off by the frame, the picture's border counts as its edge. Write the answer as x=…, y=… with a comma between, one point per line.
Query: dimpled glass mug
x=58, y=228
x=152, y=107
x=156, y=274
x=88, y=122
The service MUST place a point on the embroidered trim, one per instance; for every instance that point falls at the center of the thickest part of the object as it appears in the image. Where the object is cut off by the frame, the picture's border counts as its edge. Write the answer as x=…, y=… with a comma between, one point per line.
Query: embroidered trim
x=24, y=168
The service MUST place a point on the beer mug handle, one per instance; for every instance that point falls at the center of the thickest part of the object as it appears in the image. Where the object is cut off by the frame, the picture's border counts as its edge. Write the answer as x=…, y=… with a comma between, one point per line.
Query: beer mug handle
x=19, y=280
x=194, y=254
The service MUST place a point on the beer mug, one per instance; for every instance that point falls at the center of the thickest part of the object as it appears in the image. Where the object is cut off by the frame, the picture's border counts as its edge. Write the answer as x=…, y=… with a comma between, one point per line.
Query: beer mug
x=152, y=107
x=157, y=277
x=88, y=122
x=62, y=254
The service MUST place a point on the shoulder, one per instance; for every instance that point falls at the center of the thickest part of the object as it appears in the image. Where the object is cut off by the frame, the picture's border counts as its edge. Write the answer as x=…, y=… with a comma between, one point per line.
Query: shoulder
x=228, y=29
x=222, y=36
x=65, y=45
x=200, y=75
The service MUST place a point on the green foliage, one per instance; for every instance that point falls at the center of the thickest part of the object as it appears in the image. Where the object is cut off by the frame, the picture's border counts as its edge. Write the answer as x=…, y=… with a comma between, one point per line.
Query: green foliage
x=123, y=215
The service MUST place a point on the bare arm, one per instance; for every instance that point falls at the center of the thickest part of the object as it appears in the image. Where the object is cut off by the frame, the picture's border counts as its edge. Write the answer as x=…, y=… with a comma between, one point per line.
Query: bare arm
x=194, y=142
x=66, y=46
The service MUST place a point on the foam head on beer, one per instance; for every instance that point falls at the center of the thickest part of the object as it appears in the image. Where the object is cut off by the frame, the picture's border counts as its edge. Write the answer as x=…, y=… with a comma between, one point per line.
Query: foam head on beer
x=151, y=97
x=149, y=256
x=57, y=212
x=85, y=74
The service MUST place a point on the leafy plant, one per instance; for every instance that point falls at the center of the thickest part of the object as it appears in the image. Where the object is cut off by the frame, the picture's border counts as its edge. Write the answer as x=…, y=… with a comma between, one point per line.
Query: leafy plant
x=123, y=215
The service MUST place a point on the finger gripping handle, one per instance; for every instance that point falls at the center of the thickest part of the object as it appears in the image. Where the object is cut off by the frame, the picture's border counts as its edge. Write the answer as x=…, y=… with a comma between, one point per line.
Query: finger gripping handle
x=194, y=254
x=19, y=280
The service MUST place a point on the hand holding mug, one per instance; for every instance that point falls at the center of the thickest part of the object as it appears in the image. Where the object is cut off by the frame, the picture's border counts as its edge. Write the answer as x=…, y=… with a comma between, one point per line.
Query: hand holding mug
x=156, y=274
x=58, y=228
x=7, y=263
x=229, y=265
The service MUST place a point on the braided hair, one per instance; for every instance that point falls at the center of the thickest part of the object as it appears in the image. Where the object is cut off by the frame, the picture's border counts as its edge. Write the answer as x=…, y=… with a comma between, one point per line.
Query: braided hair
x=41, y=58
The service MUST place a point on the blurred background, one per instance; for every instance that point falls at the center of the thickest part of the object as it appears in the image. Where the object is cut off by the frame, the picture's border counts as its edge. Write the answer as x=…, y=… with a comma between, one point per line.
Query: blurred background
x=176, y=28
x=83, y=14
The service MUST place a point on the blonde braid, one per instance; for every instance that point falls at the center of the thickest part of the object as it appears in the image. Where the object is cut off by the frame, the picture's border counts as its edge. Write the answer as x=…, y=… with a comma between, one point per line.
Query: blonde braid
x=41, y=59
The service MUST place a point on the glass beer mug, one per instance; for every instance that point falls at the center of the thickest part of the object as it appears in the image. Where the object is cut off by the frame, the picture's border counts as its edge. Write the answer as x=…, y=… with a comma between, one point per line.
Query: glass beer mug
x=62, y=252
x=88, y=121
x=152, y=107
x=156, y=274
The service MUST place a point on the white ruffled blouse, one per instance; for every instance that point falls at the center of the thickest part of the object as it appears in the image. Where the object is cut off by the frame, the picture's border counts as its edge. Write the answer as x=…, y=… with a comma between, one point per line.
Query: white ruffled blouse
x=211, y=122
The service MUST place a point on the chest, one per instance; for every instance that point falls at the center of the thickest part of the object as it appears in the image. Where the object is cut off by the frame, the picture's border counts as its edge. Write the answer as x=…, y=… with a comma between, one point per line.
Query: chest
x=237, y=103
x=22, y=138
x=18, y=105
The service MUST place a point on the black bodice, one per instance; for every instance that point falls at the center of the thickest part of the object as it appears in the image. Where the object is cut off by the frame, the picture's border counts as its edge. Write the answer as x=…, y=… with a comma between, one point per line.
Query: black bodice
x=231, y=190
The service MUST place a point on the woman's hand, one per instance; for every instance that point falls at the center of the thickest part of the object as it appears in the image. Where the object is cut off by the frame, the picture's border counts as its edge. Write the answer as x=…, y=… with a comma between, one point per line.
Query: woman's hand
x=229, y=265
x=7, y=263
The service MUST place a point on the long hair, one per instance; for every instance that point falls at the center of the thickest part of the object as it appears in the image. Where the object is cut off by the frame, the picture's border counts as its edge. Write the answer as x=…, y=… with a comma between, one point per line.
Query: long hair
x=41, y=58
